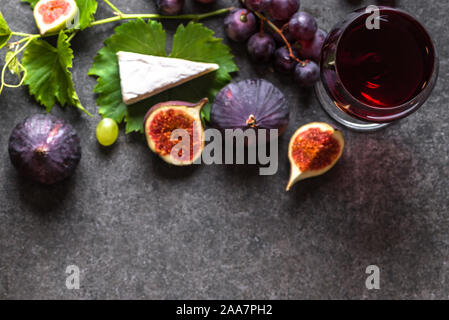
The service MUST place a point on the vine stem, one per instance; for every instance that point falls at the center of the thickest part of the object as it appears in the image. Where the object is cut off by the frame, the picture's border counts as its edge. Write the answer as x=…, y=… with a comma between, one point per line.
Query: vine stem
x=20, y=34
x=28, y=37
x=158, y=16
x=7, y=63
x=281, y=34
x=71, y=36
x=113, y=7
x=119, y=17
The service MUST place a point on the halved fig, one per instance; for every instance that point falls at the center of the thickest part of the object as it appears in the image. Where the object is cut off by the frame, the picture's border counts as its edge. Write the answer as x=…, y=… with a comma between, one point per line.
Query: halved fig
x=178, y=147
x=313, y=150
x=54, y=15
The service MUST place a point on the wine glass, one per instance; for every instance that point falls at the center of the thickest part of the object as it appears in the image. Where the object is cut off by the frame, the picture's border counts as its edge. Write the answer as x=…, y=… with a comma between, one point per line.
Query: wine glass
x=376, y=68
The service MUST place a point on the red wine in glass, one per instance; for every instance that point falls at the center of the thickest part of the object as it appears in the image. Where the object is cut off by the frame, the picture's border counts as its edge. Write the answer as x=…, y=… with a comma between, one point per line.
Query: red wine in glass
x=371, y=76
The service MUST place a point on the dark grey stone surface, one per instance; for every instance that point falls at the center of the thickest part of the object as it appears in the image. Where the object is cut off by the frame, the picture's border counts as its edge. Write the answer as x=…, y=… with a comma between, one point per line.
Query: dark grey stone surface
x=138, y=228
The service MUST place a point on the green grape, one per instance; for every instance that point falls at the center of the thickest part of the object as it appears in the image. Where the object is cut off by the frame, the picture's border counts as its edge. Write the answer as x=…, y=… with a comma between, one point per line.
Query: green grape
x=107, y=132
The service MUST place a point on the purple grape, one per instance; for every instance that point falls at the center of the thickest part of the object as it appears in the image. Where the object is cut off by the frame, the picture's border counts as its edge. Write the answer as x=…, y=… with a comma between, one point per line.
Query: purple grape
x=307, y=74
x=240, y=24
x=261, y=47
x=283, y=9
x=302, y=26
x=170, y=7
x=283, y=63
x=312, y=49
x=258, y=5
x=205, y=1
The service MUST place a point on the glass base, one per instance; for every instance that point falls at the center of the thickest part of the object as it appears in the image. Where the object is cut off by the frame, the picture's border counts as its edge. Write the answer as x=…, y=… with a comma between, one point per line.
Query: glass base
x=341, y=117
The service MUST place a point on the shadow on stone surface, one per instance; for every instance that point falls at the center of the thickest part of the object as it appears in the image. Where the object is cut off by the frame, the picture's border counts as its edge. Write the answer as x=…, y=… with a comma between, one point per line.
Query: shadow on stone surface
x=43, y=200
x=366, y=197
x=161, y=168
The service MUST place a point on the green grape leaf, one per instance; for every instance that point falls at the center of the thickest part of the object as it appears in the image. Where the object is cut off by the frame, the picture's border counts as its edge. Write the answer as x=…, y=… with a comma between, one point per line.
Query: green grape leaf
x=14, y=65
x=32, y=3
x=197, y=43
x=5, y=32
x=49, y=79
x=193, y=42
x=87, y=9
x=136, y=36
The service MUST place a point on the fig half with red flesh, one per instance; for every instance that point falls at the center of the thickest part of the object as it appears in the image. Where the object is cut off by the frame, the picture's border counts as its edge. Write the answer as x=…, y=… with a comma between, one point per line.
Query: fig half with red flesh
x=160, y=124
x=313, y=150
x=55, y=15
x=250, y=104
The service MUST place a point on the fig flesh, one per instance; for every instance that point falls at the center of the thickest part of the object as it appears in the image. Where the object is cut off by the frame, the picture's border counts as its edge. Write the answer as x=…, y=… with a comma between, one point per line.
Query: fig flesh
x=250, y=104
x=174, y=131
x=45, y=149
x=313, y=150
x=54, y=15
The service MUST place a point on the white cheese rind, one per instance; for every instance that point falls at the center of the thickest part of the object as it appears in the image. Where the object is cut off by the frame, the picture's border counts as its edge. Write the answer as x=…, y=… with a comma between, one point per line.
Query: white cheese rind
x=143, y=76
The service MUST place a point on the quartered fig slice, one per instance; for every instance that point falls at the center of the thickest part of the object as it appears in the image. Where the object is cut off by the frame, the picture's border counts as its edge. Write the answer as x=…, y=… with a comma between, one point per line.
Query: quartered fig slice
x=175, y=132
x=54, y=15
x=313, y=150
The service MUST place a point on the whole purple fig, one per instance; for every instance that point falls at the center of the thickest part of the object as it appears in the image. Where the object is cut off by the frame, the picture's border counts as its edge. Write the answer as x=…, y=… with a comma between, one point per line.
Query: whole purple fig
x=45, y=149
x=250, y=104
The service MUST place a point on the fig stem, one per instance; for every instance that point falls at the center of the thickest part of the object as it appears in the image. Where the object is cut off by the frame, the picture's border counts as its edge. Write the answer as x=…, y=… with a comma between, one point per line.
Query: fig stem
x=202, y=103
x=251, y=122
x=281, y=34
x=41, y=151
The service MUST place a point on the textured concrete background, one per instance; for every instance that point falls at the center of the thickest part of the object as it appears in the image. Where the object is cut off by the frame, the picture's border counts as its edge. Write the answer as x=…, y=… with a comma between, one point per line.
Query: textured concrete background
x=138, y=228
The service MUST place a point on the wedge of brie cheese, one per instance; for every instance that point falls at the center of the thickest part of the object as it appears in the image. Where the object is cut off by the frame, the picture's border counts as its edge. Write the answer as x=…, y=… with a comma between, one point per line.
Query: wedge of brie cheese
x=143, y=76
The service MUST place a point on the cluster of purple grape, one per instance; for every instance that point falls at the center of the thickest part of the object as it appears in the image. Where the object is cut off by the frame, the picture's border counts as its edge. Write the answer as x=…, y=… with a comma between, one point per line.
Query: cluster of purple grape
x=289, y=37
x=174, y=7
